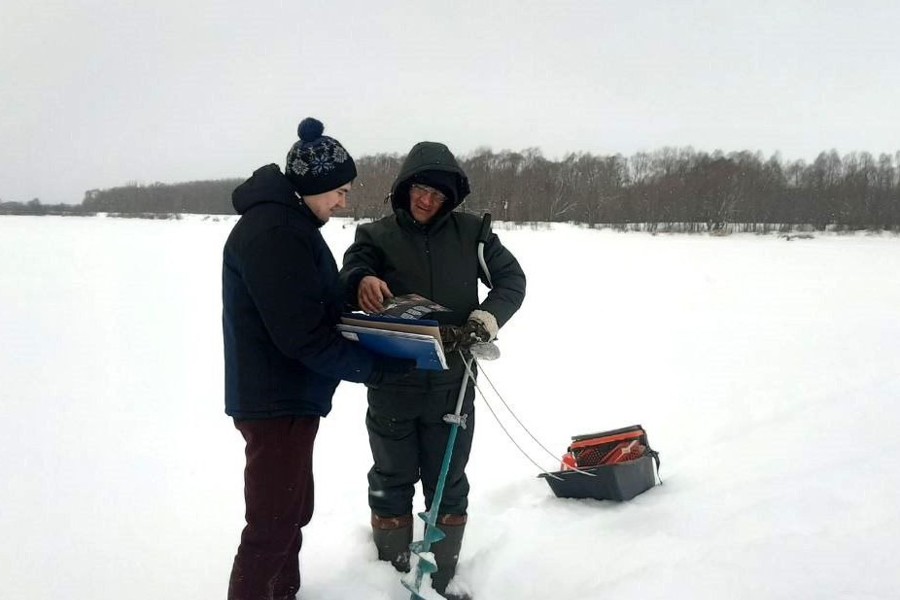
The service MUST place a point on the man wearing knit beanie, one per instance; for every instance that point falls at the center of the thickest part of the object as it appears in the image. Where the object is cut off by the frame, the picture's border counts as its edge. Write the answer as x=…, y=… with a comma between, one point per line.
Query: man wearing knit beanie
x=283, y=358
x=317, y=163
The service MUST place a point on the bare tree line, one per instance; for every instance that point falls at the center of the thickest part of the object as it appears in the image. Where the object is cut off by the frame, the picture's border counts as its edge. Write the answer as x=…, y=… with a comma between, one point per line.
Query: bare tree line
x=668, y=189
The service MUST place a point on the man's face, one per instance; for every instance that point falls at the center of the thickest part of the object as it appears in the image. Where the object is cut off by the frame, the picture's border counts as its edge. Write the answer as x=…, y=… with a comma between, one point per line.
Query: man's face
x=425, y=202
x=325, y=205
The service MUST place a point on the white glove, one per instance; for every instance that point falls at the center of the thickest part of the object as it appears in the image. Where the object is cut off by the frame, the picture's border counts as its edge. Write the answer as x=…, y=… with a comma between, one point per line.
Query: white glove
x=487, y=321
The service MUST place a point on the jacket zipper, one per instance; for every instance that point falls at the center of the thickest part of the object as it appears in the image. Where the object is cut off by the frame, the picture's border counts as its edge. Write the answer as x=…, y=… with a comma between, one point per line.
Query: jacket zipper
x=430, y=266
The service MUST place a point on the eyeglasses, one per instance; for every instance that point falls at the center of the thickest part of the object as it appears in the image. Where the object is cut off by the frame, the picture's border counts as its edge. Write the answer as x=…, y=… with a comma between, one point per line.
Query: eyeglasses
x=426, y=190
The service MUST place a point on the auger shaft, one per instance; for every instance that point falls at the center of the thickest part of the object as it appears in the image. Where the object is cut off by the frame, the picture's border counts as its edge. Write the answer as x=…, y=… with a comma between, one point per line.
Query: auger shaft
x=432, y=532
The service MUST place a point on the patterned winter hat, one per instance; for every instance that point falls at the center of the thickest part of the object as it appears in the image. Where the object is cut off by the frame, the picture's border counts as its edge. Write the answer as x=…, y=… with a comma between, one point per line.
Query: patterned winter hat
x=317, y=163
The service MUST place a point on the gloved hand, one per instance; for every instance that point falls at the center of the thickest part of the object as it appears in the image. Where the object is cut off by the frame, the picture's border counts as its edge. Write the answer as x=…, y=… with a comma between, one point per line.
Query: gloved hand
x=451, y=336
x=462, y=337
x=387, y=366
x=484, y=325
x=473, y=332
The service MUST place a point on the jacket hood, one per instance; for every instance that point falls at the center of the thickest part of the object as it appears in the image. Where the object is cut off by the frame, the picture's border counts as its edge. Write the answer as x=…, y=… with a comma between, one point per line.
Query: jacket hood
x=429, y=156
x=267, y=184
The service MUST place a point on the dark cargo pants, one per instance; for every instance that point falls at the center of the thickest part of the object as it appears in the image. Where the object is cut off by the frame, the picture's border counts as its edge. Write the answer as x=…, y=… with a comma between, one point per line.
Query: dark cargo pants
x=278, y=490
x=408, y=438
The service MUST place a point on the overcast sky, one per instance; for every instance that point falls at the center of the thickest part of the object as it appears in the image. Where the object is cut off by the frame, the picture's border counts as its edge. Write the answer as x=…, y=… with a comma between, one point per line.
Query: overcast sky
x=97, y=94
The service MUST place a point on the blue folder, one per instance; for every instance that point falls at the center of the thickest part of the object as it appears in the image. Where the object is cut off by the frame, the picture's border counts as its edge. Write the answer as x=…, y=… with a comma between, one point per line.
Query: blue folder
x=416, y=339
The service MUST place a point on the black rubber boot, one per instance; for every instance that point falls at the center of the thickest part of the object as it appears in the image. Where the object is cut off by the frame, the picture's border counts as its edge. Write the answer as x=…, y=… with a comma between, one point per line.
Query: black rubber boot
x=392, y=536
x=446, y=554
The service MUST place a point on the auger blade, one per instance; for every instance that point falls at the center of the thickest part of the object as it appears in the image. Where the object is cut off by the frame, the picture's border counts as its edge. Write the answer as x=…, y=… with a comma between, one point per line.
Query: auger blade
x=412, y=587
x=425, y=563
x=413, y=580
x=418, y=549
x=433, y=535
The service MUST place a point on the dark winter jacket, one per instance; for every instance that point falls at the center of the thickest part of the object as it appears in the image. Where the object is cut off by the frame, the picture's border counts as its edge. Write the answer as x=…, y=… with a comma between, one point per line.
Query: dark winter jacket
x=438, y=260
x=281, y=300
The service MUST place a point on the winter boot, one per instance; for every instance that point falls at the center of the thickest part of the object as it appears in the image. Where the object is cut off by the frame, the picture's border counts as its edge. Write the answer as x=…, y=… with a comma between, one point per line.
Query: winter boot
x=393, y=536
x=446, y=554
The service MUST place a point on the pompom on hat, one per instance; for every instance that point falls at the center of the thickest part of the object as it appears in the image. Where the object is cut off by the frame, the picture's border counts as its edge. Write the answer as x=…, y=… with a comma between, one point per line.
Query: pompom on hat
x=317, y=163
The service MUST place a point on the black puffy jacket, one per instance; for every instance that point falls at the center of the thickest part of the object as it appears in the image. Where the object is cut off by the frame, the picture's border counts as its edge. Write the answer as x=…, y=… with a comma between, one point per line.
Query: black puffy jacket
x=281, y=300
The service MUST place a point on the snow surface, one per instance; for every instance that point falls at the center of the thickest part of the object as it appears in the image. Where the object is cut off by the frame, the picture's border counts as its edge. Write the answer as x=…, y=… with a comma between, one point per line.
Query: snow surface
x=765, y=372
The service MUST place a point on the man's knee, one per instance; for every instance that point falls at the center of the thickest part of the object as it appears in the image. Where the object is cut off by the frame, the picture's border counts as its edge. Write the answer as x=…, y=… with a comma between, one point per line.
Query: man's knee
x=390, y=501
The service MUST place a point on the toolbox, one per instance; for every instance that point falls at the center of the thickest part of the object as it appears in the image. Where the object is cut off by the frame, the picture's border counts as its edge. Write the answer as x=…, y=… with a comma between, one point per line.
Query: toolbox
x=610, y=465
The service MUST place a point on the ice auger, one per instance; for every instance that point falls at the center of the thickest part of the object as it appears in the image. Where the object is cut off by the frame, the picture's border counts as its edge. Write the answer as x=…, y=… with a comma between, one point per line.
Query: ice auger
x=425, y=565
x=422, y=548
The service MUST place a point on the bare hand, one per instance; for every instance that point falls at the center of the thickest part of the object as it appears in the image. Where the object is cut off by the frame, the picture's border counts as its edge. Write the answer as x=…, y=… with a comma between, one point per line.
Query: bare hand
x=371, y=294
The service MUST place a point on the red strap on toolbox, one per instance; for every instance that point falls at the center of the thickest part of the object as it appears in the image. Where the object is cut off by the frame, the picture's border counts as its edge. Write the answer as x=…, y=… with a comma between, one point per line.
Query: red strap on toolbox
x=631, y=435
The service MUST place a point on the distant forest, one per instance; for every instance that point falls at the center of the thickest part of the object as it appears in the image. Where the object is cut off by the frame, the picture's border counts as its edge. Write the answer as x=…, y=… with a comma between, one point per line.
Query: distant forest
x=672, y=189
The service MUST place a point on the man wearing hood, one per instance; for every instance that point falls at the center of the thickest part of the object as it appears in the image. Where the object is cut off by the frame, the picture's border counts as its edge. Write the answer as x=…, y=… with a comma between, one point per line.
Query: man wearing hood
x=281, y=301
x=427, y=247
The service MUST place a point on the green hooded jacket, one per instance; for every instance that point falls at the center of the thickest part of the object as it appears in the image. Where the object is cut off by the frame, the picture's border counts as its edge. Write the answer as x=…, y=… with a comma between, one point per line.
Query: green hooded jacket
x=438, y=260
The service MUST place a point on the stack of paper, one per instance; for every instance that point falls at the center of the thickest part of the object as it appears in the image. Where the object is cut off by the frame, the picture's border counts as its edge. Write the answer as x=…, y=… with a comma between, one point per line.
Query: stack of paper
x=416, y=339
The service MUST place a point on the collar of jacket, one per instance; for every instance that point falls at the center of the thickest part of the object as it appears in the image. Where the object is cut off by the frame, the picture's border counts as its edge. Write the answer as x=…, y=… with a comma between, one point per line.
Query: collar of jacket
x=268, y=185
x=406, y=221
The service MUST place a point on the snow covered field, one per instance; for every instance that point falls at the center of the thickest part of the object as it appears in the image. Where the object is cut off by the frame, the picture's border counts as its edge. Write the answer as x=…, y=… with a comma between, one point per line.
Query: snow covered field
x=766, y=372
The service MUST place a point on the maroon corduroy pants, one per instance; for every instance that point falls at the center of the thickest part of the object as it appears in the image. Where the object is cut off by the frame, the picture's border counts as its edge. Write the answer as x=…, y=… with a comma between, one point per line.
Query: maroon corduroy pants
x=278, y=491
